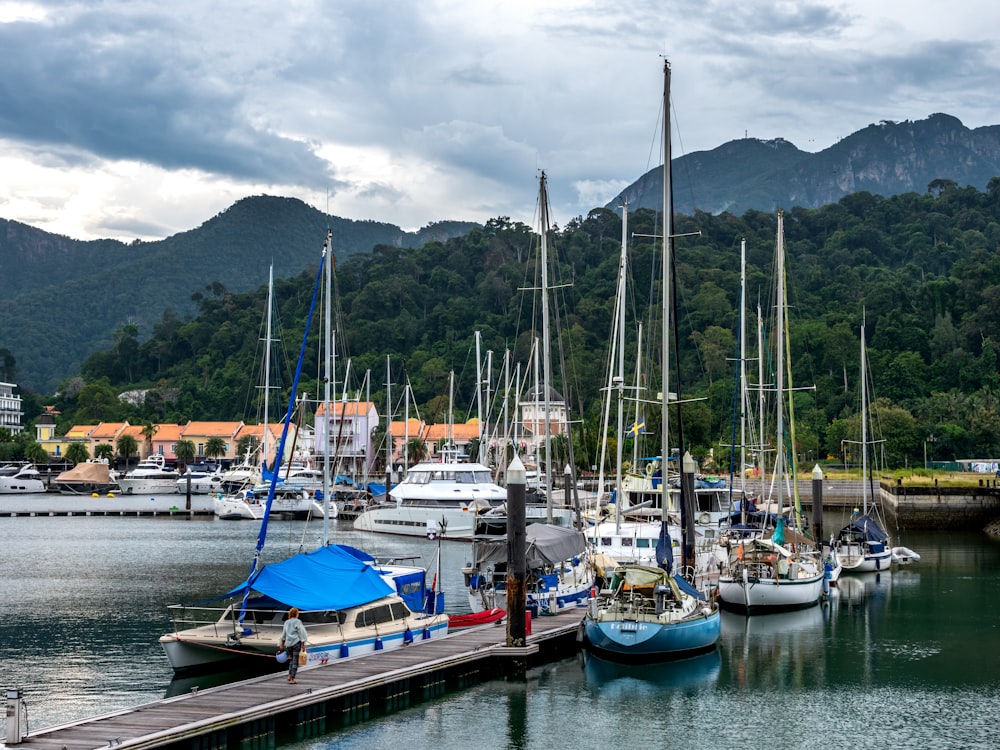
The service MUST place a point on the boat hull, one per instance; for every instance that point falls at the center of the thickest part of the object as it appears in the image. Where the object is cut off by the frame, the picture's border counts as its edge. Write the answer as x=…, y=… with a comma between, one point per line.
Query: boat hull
x=190, y=652
x=864, y=558
x=638, y=641
x=759, y=595
x=149, y=485
x=418, y=521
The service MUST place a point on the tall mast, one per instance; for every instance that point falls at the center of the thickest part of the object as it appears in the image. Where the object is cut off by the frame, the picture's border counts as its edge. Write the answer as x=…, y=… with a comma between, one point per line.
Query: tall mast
x=267, y=363
x=779, y=440
x=618, y=381
x=665, y=283
x=864, y=421
x=327, y=376
x=546, y=350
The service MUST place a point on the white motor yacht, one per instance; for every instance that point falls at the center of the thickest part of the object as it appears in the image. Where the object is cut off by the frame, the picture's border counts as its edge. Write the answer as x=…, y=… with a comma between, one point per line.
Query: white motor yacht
x=150, y=477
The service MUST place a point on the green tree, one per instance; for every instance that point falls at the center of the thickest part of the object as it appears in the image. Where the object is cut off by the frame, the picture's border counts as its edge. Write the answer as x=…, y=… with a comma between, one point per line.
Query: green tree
x=149, y=431
x=36, y=453
x=105, y=452
x=185, y=452
x=77, y=453
x=126, y=447
x=416, y=451
x=215, y=447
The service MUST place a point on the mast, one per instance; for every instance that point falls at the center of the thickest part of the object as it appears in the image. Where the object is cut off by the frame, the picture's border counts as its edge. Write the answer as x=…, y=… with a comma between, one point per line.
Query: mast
x=388, y=425
x=479, y=396
x=743, y=372
x=543, y=199
x=618, y=381
x=779, y=469
x=327, y=375
x=665, y=333
x=267, y=363
x=864, y=421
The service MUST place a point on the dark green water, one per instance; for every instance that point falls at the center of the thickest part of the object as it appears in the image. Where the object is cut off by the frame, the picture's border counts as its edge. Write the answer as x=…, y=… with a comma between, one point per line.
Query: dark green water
x=903, y=659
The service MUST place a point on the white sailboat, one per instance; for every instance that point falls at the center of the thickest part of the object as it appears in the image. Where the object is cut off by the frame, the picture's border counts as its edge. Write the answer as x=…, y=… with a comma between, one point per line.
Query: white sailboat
x=863, y=546
x=774, y=568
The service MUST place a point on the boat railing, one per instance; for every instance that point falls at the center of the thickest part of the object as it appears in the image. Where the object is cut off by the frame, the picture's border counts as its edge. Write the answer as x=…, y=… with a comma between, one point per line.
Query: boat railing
x=224, y=623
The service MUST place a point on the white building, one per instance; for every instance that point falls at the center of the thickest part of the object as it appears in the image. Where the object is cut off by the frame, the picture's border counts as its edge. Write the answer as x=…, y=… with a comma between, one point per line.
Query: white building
x=10, y=408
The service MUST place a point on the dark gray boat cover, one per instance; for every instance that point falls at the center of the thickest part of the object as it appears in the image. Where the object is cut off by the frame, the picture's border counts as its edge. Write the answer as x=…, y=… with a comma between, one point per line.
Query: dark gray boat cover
x=867, y=527
x=546, y=545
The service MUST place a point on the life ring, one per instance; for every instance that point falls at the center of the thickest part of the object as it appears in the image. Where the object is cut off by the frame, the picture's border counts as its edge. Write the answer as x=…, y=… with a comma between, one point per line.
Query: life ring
x=650, y=469
x=704, y=519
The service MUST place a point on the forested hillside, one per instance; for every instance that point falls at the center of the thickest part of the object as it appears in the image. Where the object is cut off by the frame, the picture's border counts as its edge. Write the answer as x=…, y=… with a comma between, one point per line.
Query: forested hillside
x=60, y=298
x=923, y=268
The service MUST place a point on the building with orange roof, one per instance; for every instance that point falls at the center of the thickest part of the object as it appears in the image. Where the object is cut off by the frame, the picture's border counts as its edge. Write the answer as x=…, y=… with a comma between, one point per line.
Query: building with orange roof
x=56, y=446
x=402, y=432
x=348, y=431
x=256, y=431
x=200, y=433
x=106, y=433
x=165, y=440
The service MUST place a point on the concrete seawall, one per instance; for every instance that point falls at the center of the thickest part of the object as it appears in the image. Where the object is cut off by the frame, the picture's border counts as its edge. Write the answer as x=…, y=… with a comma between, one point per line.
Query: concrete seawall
x=911, y=507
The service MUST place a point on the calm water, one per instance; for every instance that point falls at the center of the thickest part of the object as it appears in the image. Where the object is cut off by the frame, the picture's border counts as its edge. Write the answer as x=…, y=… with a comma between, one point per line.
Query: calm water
x=910, y=658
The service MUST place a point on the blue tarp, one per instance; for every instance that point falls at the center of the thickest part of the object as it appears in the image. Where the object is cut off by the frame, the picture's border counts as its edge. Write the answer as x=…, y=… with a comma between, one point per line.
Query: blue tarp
x=867, y=527
x=327, y=578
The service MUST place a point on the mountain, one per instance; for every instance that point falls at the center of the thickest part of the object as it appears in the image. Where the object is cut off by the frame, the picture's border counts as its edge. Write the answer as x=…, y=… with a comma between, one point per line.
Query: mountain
x=885, y=159
x=61, y=299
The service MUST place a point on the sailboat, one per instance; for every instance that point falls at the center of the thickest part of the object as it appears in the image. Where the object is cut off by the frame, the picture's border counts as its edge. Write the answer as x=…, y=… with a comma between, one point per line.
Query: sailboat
x=863, y=546
x=773, y=567
x=648, y=612
x=349, y=603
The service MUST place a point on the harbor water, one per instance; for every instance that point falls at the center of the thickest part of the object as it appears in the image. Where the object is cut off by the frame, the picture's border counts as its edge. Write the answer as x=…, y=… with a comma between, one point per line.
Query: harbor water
x=907, y=658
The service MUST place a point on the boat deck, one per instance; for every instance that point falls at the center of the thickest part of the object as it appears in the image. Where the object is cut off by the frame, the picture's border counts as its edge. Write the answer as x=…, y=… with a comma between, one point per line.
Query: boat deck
x=265, y=711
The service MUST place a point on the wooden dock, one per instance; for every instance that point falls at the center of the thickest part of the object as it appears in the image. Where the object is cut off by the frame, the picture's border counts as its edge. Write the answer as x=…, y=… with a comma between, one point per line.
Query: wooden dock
x=264, y=712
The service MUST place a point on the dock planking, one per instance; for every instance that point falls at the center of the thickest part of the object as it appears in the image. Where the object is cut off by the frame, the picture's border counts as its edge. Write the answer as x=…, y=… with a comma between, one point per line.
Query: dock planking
x=263, y=712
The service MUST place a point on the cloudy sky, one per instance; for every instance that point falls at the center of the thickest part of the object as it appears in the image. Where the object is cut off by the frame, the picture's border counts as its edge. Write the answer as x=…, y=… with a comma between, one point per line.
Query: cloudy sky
x=139, y=119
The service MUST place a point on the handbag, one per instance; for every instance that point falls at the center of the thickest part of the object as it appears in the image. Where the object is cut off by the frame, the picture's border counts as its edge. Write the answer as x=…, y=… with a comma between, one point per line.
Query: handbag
x=303, y=658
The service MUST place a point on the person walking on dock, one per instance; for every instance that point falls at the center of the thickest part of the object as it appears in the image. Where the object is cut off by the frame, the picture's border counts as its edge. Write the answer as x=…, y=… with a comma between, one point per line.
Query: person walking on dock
x=293, y=640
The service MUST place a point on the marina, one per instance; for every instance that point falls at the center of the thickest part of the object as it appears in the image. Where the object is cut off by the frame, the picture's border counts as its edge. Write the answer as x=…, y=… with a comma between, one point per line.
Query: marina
x=88, y=599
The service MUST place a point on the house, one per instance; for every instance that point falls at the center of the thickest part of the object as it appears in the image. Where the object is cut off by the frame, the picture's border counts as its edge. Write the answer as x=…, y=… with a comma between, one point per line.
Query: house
x=10, y=408
x=200, y=433
x=402, y=432
x=450, y=442
x=257, y=433
x=107, y=433
x=533, y=414
x=347, y=428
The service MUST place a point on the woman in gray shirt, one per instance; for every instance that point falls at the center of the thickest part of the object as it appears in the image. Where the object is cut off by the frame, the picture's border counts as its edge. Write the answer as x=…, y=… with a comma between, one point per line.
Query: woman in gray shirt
x=293, y=640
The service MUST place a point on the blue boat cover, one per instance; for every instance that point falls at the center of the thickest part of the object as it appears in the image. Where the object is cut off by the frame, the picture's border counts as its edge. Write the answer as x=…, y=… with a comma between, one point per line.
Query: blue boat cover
x=326, y=578
x=868, y=527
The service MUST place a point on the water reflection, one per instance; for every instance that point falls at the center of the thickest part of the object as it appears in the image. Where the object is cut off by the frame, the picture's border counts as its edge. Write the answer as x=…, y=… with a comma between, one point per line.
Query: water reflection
x=622, y=680
x=781, y=649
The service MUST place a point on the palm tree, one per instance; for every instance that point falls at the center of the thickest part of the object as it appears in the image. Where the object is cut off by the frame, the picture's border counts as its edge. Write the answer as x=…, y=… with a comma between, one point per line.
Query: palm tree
x=184, y=451
x=77, y=453
x=36, y=454
x=215, y=447
x=127, y=447
x=416, y=450
x=148, y=432
x=104, y=451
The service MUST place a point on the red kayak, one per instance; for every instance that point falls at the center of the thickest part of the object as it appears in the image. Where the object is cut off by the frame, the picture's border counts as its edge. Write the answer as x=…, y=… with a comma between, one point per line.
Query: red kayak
x=476, y=618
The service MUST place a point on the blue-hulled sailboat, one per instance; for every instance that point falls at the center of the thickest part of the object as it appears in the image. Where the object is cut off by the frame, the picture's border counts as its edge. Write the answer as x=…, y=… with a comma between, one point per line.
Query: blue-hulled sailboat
x=647, y=613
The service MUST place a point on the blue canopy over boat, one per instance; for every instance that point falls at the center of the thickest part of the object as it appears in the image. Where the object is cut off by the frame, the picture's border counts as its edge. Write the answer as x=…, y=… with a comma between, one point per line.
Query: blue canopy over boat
x=867, y=527
x=326, y=578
